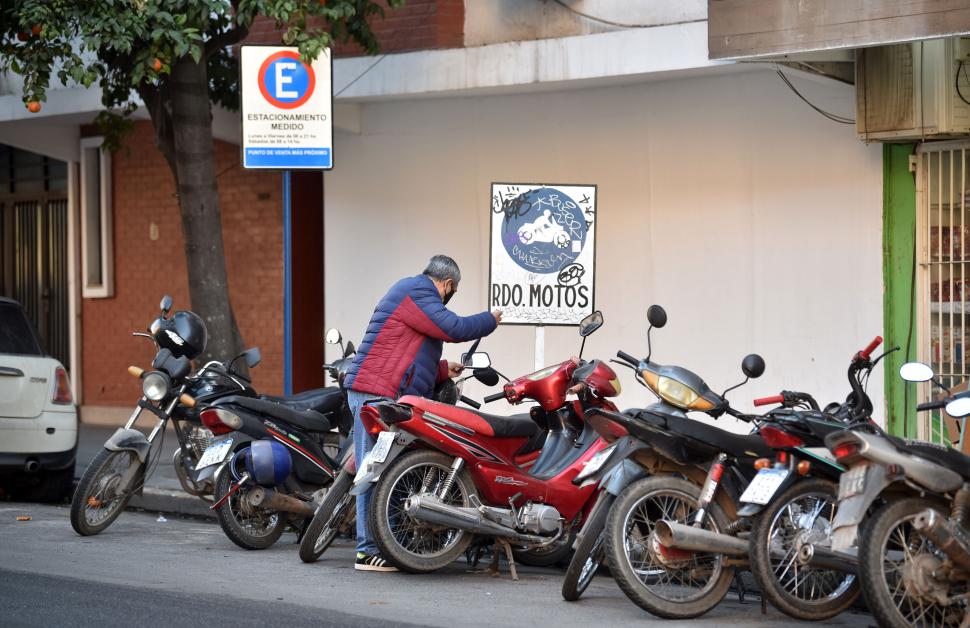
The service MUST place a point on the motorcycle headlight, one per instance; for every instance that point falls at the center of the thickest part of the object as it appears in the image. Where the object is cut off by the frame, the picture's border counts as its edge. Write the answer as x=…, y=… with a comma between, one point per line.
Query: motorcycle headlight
x=676, y=393
x=155, y=386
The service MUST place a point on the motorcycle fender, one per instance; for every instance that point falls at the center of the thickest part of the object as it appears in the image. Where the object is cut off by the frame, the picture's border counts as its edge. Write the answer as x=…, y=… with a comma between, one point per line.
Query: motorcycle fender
x=371, y=472
x=131, y=440
x=623, y=448
x=215, y=471
x=852, y=510
x=622, y=476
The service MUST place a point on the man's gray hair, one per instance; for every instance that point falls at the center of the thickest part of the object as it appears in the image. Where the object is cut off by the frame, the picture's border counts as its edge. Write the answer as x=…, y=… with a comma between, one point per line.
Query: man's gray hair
x=442, y=267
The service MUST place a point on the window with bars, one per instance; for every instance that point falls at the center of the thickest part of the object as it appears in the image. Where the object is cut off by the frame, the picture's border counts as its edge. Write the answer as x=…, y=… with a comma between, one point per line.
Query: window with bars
x=943, y=278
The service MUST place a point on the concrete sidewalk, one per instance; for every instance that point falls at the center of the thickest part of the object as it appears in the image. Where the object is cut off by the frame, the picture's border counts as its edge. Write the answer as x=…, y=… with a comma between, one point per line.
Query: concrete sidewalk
x=162, y=491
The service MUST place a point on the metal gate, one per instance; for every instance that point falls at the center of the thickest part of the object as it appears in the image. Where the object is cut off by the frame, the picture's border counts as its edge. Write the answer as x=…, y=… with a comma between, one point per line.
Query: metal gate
x=34, y=266
x=943, y=278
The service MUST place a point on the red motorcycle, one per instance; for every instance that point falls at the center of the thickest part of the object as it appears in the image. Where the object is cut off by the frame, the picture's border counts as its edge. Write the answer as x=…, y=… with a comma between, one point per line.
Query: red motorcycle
x=446, y=474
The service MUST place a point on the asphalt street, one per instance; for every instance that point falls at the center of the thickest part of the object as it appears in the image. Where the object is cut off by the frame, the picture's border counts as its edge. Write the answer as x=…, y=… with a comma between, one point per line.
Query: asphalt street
x=186, y=572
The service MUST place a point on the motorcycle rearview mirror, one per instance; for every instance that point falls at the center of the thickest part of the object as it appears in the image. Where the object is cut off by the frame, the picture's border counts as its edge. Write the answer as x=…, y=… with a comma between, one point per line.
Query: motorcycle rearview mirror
x=753, y=367
x=916, y=372
x=252, y=357
x=587, y=326
x=165, y=304
x=657, y=317
x=487, y=376
x=959, y=407
x=476, y=360
x=333, y=336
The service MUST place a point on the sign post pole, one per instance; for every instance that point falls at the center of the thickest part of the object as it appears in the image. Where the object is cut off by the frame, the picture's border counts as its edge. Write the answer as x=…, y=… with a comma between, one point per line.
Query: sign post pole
x=540, y=347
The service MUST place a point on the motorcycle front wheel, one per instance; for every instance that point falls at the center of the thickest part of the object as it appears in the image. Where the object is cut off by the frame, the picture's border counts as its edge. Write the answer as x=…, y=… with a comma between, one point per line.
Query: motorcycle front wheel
x=100, y=497
x=589, y=553
x=900, y=571
x=803, y=512
x=248, y=527
x=411, y=545
x=328, y=518
x=669, y=585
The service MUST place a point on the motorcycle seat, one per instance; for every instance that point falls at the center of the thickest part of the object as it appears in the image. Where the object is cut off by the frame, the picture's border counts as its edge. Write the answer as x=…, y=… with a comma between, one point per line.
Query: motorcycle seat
x=495, y=425
x=309, y=420
x=322, y=400
x=941, y=454
x=736, y=445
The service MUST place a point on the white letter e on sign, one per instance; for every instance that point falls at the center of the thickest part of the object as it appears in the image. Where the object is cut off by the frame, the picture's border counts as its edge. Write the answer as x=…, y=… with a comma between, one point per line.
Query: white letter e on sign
x=282, y=80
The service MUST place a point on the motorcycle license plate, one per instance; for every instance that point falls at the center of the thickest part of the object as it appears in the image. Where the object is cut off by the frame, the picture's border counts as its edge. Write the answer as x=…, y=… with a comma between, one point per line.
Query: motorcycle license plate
x=379, y=453
x=214, y=454
x=764, y=486
x=853, y=482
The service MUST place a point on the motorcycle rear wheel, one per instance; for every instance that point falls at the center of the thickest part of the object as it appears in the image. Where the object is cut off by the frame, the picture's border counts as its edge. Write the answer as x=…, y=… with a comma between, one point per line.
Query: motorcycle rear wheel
x=629, y=530
x=889, y=534
x=248, y=532
x=98, y=498
x=327, y=519
x=409, y=545
x=589, y=554
x=799, y=592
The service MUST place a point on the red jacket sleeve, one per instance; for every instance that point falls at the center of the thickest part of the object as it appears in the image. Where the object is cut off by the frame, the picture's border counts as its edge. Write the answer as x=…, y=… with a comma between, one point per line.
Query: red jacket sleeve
x=442, y=371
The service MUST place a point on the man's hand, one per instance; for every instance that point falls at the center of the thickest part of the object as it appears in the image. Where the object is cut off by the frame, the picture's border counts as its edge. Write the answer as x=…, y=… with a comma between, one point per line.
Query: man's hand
x=455, y=369
x=498, y=316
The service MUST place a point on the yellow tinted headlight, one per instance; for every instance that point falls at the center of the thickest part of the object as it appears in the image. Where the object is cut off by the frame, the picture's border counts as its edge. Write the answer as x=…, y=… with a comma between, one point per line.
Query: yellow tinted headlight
x=672, y=391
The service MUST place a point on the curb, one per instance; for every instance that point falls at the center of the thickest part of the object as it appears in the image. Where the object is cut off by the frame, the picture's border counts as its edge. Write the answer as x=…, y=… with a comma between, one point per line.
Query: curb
x=174, y=502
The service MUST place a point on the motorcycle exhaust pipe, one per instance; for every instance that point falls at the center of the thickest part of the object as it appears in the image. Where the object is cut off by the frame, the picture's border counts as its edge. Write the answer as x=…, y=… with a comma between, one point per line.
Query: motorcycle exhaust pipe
x=680, y=536
x=31, y=466
x=274, y=500
x=430, y=510
x=810, y=555
x=946, y=535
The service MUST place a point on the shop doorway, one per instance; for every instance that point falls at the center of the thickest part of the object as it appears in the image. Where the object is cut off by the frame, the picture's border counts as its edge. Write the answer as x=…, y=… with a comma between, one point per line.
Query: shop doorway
x=34, y=243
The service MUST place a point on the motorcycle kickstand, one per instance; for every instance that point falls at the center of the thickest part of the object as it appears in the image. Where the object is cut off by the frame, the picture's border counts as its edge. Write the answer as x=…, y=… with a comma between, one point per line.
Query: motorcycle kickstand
x=501, y=544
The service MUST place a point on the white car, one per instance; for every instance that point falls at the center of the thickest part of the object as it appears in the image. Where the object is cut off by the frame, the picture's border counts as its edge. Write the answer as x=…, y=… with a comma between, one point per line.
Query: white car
x=38, y=419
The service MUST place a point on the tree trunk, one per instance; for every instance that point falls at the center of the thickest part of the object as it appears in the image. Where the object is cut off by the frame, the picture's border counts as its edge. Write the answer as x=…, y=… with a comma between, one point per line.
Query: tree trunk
x=199, y=204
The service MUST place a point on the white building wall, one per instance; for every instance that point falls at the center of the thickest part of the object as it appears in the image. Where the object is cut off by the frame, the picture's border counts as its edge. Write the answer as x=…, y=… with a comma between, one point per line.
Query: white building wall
x=495, y=21
x=752, y=219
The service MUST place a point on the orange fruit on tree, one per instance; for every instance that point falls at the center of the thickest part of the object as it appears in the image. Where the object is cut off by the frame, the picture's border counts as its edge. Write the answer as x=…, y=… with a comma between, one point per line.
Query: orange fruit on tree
x=33, y=106
x=23, y=35
x=35, y=29
x=156, y=64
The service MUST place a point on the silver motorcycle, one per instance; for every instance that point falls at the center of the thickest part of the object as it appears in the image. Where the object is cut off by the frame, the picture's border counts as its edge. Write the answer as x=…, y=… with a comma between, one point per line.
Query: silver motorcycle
x=911, y=500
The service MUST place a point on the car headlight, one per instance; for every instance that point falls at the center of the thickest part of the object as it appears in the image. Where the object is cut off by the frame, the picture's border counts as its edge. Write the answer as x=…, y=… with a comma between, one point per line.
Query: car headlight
x=155, y=386
x=676, y=393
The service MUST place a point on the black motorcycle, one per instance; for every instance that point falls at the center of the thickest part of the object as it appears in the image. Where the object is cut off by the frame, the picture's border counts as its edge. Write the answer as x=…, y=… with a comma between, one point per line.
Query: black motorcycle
x=171, y=392
x=280, y=456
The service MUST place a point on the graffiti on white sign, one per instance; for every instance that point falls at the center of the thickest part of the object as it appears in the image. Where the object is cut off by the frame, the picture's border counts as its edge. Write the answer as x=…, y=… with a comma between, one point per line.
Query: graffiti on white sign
x=543, y=252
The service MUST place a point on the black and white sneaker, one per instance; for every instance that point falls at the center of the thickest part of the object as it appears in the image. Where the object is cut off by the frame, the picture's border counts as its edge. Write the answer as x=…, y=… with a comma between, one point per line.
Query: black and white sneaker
x=374, y=562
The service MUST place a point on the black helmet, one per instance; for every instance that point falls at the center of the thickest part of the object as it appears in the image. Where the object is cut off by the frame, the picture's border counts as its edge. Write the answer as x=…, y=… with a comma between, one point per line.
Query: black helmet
x=183, y=334
x=446, y=392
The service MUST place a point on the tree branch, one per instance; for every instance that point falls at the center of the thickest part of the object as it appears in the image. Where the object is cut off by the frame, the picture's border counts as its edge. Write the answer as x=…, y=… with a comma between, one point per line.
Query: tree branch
x=156, y=100
x=224, y=39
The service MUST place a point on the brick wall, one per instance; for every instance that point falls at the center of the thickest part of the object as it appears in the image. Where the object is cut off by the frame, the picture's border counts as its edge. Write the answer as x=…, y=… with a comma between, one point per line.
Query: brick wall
x=418, y=25
x=144, y=192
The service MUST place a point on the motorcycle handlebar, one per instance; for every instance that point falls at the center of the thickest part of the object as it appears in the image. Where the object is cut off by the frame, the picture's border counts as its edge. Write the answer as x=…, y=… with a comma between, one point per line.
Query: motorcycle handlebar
x=470, y=402
x=494, y=397
x=931, y=405
x=764, y=401
x=626, y=357
x=864, y=354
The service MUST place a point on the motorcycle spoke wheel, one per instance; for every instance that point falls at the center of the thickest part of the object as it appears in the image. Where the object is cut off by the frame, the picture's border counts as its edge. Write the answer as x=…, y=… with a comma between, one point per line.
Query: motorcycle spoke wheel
x=108, y=495
x=807, y=514
x=683, y=580
x=413, y=536
x=903, y=548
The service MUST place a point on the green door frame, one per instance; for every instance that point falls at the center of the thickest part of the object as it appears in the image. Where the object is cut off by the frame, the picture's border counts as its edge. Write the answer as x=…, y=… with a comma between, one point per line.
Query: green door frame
x=899, y=277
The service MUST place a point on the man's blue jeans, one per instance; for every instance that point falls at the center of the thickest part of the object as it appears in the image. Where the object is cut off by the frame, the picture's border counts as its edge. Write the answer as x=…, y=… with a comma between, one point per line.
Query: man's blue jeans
x=363, y=443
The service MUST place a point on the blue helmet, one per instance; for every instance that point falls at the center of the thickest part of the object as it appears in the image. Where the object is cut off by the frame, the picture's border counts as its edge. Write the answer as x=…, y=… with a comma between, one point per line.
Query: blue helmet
x=267, y=462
